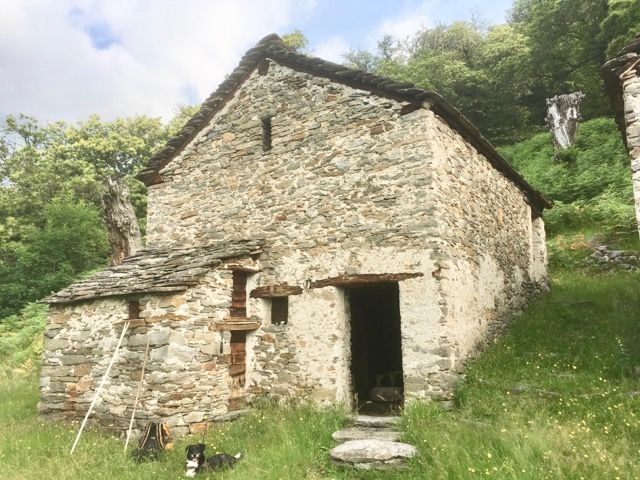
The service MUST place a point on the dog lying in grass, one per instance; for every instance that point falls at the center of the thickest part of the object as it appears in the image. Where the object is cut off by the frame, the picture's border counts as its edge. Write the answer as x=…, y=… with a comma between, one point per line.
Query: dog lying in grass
x=197, y=462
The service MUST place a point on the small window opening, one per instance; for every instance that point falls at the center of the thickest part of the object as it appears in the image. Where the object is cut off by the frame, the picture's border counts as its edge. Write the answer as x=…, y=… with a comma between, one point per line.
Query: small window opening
x=266, y=133
x=239, y=294
x=134, y=309
x=280, y=311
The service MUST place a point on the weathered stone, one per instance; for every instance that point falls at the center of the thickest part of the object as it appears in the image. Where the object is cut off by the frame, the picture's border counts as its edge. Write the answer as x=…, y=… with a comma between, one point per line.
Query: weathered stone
x=372, y=454
x=72, y=359
x=361, y=433
x=376, y=422
x=194, y=417
x=56, y=343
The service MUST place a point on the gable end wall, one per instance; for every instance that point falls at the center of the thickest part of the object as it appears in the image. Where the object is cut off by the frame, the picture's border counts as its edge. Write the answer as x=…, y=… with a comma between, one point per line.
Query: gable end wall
x=351, y=186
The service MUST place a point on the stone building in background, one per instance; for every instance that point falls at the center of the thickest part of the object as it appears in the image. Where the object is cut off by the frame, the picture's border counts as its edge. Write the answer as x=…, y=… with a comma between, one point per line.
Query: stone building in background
x=313, y=232
x=622, y=79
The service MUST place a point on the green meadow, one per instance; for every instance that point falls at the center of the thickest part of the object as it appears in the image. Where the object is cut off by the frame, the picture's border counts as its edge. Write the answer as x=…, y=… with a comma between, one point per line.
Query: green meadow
x=558, y=396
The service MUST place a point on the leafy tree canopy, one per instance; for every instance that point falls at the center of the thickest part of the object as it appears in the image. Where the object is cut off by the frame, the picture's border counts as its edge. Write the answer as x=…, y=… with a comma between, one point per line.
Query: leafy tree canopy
x=501, y=76
x=620, y=26
x=51, y=181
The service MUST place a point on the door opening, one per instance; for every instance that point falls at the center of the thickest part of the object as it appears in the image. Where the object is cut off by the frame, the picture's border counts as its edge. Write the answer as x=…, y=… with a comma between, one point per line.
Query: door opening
x=376, y=347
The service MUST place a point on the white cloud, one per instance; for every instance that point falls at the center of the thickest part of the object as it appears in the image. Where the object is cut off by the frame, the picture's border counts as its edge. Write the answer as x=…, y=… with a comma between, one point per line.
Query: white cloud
x=163, y=52
x=332, y=49
x=406, y=23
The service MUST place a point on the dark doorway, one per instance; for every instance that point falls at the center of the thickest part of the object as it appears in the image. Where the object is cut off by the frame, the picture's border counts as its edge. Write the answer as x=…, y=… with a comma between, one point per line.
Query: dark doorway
x=376, y=353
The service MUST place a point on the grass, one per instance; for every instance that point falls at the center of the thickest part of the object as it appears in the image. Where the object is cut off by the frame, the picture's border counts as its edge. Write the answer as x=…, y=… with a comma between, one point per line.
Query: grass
x=556, y=397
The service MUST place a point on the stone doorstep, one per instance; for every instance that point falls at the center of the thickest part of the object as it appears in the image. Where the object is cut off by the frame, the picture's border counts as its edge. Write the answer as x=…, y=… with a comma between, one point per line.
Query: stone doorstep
x=362, y=433
x=372, y=454
x=375, y=422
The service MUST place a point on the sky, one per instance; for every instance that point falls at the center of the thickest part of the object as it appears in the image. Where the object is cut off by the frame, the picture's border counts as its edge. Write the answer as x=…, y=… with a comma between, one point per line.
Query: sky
x=68, y=59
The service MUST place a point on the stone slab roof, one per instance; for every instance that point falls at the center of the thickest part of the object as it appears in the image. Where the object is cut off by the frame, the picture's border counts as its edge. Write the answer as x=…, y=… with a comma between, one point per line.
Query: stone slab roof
x=154, y=270
x=273, y=47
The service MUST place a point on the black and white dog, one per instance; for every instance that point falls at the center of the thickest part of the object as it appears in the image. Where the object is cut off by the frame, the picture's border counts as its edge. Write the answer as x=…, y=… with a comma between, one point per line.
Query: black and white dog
x=196, y=461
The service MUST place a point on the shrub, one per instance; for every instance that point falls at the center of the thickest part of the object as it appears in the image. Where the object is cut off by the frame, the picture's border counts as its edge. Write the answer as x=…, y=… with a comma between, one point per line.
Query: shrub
x=21, y=339
x=590, y=183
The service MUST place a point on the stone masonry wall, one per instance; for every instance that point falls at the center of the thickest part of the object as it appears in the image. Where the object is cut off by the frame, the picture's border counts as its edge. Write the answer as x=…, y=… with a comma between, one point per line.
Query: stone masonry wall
x=631, y=96
x=186, y=380
x=335, y=178
x=331, y=196
x=493, y=257
x=310, y=356
x=351, y=185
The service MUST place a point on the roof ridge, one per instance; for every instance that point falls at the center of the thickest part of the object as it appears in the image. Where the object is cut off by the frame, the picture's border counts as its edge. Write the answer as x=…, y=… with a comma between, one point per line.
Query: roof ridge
x=273, y=47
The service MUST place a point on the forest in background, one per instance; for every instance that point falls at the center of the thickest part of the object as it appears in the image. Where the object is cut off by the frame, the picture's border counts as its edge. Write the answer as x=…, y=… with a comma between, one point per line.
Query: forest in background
x=52, y=175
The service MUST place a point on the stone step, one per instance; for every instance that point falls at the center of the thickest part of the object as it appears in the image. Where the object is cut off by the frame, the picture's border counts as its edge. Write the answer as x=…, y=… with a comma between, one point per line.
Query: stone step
x=361, y=433
x=372, y=454
x=375, y=422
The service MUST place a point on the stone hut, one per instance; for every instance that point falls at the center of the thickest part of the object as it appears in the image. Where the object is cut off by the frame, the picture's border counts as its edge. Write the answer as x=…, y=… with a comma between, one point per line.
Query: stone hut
x=622, y=80
x=314, y=231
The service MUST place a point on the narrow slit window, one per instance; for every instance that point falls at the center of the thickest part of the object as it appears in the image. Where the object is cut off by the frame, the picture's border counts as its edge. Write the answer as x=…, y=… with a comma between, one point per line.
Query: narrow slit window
x=266, y=133
x=239, y=294
x=280, y=311
x=134, y=309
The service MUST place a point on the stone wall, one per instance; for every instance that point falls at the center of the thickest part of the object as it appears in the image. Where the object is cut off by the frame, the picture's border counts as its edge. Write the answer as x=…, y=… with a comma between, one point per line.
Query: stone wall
x=493, y=256
x=335, y=178
x=352, y=185
x=186, y=380
x=310, y=356
x=631, y=96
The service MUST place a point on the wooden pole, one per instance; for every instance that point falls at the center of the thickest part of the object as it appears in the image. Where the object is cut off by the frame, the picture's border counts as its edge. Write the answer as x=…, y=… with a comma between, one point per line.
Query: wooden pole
x=135, y=402
x=97, y=394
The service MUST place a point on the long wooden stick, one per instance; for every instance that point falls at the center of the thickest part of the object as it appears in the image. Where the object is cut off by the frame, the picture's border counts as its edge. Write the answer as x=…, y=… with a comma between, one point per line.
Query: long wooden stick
x=135, y=402
x=99, y=389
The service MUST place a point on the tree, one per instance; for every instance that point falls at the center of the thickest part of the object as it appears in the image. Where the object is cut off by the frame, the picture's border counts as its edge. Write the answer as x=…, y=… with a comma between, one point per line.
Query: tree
x=71, y=241
x=296, y=41
x=69, y=167
x=566, y=51
x=483, y=72
x=620, y=26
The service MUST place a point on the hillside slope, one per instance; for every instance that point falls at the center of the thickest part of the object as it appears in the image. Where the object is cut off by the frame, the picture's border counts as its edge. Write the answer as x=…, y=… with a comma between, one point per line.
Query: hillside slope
x=590, y=183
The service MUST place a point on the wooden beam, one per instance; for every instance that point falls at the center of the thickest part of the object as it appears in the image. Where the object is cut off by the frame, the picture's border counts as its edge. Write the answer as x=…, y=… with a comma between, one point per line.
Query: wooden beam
x=275, y=291
x=242, y=268
x=236, y=324
x=363, y=279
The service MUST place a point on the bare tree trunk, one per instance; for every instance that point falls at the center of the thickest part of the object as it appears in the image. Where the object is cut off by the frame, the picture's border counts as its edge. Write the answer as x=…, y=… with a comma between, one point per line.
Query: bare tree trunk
x=563, y=116
x=120, y=219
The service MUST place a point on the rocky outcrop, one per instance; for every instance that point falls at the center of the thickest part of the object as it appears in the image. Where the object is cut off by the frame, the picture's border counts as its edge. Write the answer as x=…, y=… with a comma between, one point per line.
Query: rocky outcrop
x=605, y=257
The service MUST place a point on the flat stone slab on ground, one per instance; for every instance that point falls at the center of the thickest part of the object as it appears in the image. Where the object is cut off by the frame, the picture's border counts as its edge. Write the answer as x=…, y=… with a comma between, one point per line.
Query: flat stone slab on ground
x=372, y=454
x=362, y=433
x=375, y=422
